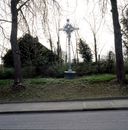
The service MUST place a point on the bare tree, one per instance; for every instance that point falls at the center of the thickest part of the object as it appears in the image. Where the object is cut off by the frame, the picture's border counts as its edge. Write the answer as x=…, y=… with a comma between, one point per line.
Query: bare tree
x=14, y=45
x=59, y=50
x=124, y=21
x=20, y=11
x=118, y=43
x=55, y=29
x=117, y=39
x=95, y=24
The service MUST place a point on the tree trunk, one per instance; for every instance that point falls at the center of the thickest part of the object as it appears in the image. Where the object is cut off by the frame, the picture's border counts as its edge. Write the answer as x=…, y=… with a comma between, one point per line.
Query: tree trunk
x=59, y=50
x=95, y=47
x=58, y=46
x=15, y=47
x=118, y=43
x=51, y=44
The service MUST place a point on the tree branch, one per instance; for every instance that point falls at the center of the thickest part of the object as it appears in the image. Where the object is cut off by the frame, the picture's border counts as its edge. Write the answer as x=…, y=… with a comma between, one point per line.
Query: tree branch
x=22, y=5
x=24, y=18
x=2, y=29
x=3, y=20
x=124, y=8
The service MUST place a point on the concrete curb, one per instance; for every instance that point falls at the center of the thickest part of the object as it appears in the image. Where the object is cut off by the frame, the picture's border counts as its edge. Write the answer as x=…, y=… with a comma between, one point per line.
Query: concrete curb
x=88, y=99
x=60, y=111
x=47, y=107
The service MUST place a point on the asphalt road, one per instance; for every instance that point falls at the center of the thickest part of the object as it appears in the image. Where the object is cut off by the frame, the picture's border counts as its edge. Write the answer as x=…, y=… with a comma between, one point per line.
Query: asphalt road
x=93, y=120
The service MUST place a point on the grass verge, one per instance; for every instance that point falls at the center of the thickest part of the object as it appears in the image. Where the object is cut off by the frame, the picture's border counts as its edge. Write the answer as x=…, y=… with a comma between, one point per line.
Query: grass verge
x=49, y=89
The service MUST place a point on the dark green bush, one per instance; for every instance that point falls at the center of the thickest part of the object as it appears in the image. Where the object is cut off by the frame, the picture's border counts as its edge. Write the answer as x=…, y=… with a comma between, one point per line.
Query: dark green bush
x=85, y=69
x=32, y=53
x=126, y=65
x=57, y=71
x=7, y=73
x=29, y=72
x=107, y=67
x=52, y=71
x=101, y=67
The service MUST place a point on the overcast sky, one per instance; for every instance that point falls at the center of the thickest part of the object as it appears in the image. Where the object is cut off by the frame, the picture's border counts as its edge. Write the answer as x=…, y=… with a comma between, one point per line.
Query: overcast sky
x=85, y=16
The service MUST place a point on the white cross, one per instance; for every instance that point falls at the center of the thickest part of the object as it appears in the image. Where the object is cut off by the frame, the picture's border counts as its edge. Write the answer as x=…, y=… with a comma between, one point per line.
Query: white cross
x=68, y=28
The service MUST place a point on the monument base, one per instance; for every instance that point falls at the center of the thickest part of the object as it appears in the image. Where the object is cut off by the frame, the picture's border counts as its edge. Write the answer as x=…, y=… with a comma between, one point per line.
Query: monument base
x=70, y=74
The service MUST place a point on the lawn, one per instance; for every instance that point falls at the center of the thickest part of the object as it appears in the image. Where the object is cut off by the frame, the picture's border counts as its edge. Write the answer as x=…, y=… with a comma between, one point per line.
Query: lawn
x=49, y=89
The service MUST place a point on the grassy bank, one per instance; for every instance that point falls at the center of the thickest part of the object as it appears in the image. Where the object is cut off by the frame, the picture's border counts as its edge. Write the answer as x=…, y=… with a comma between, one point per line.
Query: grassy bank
x=49, y=89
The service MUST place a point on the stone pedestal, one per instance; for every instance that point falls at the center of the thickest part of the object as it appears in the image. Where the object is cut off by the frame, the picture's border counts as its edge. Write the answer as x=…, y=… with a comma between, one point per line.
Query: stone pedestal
x=70, y=74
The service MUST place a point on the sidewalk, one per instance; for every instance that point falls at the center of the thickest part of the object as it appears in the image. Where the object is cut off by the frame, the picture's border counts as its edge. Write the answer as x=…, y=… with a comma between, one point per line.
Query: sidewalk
x=117, y=104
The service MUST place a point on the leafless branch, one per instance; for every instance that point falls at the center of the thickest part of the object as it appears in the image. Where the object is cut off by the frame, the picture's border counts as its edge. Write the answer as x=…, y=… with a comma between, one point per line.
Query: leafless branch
x=24, y=18
x=23, y=5
x=3, y=20
x=2, y=29
x=124, y=8
x=103, y=4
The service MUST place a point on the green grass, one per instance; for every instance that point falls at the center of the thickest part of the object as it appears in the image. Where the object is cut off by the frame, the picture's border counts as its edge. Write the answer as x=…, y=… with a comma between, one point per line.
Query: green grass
x=100, y=78
x=49, y=89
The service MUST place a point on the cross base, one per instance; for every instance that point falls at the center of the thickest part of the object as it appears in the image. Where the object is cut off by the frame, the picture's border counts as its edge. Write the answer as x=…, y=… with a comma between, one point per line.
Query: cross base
x=70, y=74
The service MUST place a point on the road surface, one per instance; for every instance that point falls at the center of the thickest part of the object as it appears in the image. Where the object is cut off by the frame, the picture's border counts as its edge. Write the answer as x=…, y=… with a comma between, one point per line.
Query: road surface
x=93, y=120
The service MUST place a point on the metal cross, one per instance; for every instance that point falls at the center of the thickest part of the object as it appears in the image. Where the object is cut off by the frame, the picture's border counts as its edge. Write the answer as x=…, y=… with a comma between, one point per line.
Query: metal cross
x=68, y=28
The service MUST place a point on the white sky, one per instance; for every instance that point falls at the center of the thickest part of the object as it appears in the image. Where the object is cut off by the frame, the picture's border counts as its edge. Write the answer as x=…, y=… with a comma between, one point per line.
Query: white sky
x=82, y=14
x=79, y=12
